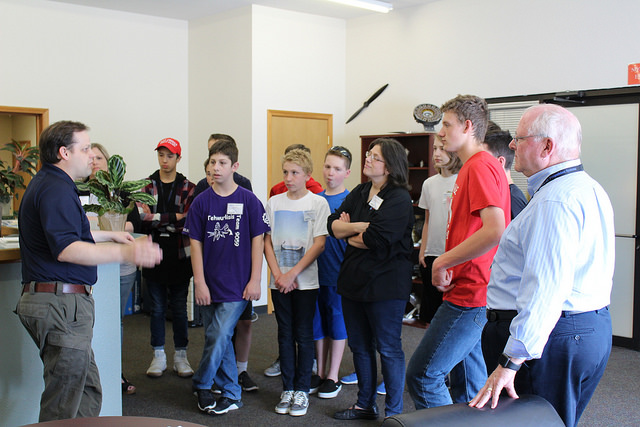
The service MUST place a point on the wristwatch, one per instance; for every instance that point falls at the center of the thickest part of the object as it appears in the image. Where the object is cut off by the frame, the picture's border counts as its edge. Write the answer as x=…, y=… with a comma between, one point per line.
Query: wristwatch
x=506, y=362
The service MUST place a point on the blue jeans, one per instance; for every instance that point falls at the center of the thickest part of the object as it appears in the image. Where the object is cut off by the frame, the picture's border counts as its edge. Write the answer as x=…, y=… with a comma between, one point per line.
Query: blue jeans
x=218, y=363
x=572, y=363
x=329, y=320
x=371, y=326
x=294, y=313
x=451, y=344
x=126, y=284
x=177, y=295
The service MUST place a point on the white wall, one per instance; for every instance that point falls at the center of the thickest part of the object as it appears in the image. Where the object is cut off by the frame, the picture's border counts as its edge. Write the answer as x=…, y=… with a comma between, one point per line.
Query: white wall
x=490, y=48
x=298, y=64
x=220, y=85
x=122, y=74
x=136, y=79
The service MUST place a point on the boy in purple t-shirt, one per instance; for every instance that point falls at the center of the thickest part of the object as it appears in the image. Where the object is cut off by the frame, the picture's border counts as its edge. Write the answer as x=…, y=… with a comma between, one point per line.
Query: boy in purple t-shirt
x=226, y=228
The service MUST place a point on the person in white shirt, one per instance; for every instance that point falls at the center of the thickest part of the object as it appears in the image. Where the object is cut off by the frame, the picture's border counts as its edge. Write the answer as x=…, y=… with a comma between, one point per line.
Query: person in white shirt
x=435, y=199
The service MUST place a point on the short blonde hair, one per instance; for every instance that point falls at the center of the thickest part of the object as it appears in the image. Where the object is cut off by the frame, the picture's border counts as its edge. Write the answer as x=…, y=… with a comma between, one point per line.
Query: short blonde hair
x=300, y=158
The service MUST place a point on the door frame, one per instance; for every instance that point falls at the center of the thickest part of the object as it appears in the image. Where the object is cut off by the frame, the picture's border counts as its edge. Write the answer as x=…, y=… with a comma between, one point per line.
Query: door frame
x=42, y=121
x=41, y=115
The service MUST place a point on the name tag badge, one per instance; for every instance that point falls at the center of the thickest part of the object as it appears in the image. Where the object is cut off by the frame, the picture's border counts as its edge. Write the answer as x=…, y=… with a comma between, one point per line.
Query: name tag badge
x=235, y=208
x=375, y=202
x=309, y=216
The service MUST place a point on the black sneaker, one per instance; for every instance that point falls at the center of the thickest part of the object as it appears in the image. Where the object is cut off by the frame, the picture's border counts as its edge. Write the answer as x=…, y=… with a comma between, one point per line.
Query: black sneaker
x=329, y=389
x=315, y=383
x=354, y=413
x=225, y=405
x=206, y=400
x=246, y=382
x=215, y=389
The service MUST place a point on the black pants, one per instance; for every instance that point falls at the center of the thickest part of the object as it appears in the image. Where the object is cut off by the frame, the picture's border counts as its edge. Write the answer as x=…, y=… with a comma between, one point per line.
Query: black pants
x=431, y=297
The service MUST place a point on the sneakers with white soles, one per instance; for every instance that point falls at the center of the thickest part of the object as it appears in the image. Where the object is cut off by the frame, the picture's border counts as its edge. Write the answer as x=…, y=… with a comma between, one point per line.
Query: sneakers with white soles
x=246, y=382
x=273, y=370
x=206, y=400
x=350, y=379
x=329, y=389
x=299, y=404
x=225, y=405
x=158, y=364
x=181, y=364
x=285, y=402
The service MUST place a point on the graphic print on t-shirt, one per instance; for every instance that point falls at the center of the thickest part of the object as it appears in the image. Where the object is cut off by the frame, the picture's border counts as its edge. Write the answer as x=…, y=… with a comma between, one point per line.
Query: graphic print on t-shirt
x=291, y=238
x=225, y=225
x=220, y=232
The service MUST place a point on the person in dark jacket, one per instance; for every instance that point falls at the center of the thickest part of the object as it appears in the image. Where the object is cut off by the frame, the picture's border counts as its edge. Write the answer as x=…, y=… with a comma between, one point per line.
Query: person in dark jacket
x=164, y=221
x=376, y=220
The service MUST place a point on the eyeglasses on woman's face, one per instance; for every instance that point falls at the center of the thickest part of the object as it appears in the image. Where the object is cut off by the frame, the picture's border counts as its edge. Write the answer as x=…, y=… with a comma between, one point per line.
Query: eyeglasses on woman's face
x=373, y=157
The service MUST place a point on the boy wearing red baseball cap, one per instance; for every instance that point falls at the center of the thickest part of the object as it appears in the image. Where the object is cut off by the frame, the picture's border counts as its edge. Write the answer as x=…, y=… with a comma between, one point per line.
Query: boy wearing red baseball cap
x=170, y=279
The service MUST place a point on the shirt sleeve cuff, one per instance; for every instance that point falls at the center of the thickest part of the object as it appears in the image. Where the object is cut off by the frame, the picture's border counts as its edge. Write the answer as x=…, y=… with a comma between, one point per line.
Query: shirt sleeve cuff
x=515, y=348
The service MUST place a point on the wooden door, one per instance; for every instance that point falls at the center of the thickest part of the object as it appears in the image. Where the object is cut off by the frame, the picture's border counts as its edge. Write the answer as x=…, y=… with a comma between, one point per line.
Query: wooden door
x=284, y=128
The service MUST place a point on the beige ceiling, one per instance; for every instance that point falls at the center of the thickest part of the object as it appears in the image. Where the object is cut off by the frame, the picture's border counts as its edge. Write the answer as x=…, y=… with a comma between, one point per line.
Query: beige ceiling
x=192, y=9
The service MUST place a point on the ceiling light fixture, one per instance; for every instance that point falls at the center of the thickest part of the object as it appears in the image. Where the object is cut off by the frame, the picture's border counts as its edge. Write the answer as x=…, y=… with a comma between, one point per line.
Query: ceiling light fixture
x=374, y=5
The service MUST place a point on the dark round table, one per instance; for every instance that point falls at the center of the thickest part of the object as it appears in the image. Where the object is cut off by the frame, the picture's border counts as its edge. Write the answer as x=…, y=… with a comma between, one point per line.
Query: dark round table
x=116, y=422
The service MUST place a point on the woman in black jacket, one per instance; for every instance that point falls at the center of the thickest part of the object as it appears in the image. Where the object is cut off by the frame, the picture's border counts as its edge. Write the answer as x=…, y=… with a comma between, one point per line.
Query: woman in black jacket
x=376, y=220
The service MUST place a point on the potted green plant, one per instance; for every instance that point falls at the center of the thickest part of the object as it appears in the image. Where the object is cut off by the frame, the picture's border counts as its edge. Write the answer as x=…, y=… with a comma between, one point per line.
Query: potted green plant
x=116, y=197
x=25, y=160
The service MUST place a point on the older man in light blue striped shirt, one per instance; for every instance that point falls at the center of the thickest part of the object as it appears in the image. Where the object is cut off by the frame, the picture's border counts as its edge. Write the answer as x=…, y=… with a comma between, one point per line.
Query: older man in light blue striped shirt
x=548, y=297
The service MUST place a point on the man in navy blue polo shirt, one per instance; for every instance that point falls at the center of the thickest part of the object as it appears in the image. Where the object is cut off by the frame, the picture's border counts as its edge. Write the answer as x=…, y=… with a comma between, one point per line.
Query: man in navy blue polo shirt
x=59, y=259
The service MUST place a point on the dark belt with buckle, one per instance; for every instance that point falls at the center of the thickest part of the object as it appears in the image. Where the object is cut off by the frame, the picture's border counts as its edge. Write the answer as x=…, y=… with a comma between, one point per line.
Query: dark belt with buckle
x=56, y=288
x=501, y=315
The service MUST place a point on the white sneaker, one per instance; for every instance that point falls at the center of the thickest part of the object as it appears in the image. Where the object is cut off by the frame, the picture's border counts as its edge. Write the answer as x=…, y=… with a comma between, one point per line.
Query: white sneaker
x=274, y=369
x=286, y=399
x=158, y=364
x=181, y=364
x=299, y=404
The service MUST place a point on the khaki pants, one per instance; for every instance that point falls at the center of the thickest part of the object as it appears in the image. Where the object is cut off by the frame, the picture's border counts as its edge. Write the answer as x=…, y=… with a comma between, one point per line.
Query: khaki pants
x=62, y=328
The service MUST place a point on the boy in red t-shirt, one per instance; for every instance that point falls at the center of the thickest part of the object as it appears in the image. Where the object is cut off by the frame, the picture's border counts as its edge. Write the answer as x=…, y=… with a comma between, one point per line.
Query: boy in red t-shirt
x=480, y=211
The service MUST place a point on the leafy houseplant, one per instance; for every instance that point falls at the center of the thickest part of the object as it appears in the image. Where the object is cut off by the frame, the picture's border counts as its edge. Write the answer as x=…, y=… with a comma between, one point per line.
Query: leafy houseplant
x=25, y=159
x=116, y=197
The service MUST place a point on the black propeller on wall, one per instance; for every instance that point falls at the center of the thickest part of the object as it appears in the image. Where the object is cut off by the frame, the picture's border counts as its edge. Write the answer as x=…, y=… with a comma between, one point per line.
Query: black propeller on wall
x=367, y=102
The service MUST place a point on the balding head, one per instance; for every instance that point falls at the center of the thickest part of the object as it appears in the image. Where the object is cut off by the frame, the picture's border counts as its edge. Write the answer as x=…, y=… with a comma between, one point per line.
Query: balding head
x=556, y=123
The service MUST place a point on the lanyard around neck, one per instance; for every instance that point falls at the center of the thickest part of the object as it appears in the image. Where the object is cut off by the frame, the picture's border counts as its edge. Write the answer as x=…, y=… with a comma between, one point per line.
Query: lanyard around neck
x=561, y=172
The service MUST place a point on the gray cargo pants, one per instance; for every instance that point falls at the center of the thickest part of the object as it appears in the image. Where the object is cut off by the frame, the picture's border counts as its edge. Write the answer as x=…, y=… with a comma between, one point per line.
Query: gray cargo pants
x=62, y=328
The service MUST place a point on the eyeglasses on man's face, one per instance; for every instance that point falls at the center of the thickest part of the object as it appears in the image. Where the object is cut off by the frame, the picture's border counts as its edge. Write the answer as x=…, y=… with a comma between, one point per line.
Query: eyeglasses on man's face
x=342, y=151
x=369, y=154
x=516, y=139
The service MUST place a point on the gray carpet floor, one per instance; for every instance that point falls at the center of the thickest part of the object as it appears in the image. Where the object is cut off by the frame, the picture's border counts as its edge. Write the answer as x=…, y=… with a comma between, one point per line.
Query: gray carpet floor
x=615, y=403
